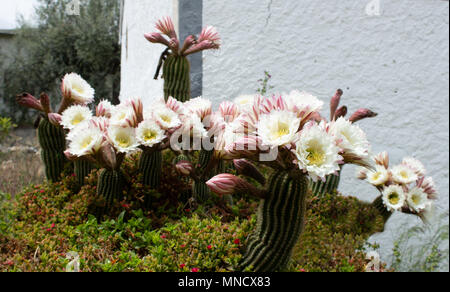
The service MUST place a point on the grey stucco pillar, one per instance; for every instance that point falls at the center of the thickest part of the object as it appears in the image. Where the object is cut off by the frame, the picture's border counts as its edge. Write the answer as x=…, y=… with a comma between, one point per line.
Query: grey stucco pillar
x=191, y=22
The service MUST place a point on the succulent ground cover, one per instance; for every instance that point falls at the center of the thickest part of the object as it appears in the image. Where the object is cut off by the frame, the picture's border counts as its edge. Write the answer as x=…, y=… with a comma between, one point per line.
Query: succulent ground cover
x=161, y=231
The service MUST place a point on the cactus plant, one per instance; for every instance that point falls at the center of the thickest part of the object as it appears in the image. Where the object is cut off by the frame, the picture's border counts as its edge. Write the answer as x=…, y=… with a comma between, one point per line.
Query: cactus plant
x=176, y=67
x=150, y=165
x=177, y=80
x=200, y=190
x=280, y=223
x=53, y=143
x=329, y=186
x=82, y=168
x=109, y=188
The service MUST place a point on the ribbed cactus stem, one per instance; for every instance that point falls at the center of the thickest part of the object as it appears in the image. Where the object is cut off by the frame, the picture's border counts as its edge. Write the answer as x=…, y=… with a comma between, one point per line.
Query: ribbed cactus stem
x=379, y=205
x=82, y=169
x=109, y=188
x=150, y=165
x=329, y=186
x=53, y=143
x=177, y=81
x=280, y=223
x=201, y=191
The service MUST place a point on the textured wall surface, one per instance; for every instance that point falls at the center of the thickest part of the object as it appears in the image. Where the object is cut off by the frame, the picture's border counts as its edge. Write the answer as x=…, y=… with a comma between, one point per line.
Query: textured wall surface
x=140, y=57
x=396, y=63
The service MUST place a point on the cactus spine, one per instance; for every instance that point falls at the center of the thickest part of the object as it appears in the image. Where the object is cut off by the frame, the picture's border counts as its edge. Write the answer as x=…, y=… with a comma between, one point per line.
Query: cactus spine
x=109, y=188
x=321, y=188
x=53, y=143
x=150, y=165
x=177, y=81
x=280, y=223
x=82, y=169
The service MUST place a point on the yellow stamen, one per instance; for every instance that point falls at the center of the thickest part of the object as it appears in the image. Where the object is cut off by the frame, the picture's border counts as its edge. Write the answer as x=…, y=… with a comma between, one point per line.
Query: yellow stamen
x=282, y=130
x=394, y=198
x=77, y=119
x=166, y=119
x=315, y=157
x=87, y=142
x=150, y=135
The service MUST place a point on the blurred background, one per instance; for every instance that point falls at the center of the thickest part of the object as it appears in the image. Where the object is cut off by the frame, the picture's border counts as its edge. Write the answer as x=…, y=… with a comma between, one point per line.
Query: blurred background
x=389, y=56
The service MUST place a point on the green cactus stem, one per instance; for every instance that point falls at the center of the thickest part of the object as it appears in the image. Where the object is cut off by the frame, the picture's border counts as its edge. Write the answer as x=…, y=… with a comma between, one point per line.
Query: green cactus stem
x=320, y=188
x=379, y=205
x=82, y=169
x=150, y=165
x=200, y=190
x=53, y=143
x=280, y=223
x=109, y=189
x=177, y=80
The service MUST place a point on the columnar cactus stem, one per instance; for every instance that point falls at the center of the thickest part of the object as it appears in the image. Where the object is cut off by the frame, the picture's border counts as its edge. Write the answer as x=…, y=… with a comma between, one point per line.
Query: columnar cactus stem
x=280, y=223
x=379, y=205
x=109, y=188
x=82, y=169
x=321, y=188
x=176, y=74
x=53, y=144
x=200, y=190
x=150, y=165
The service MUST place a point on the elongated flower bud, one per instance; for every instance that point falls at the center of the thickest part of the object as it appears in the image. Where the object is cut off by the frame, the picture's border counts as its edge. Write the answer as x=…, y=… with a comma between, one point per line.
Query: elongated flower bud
x=334, y=104
x=184, y=168
x=55, y=119
x=45, y=102
x=228, y=184
x=245, y=167
x=382, y=159
x=341, y=112
x=157, y=38
x=362, y=114
x=29, y=101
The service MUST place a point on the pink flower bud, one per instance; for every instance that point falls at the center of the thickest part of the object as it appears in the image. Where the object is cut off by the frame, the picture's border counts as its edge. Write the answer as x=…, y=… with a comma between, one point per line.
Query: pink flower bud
x=382, y=159
x=165, y=25
x=245, y=167
x=157, y=38
x=210, y=33
x=55, y=119
x=362, y=114
x=45, y=102
x=184, y=168
x=29, y=101
x=334, y=104
x=204, y=45
x=228, y=184
x=229, y=111
x=188, y=42
x=108, y=155
x=225, y=184
x=341, y=112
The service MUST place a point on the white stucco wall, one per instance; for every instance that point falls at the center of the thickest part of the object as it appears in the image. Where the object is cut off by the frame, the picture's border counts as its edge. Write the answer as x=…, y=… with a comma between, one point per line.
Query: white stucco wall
x=140, y=57
x=396, y=63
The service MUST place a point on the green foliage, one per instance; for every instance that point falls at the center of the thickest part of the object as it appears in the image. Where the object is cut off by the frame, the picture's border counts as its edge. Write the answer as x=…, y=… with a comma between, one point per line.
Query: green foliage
x=422, y=248
x=153, y=230
x=264, y=83
x=335, y=236
x=6, y=125
x=87, y=44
